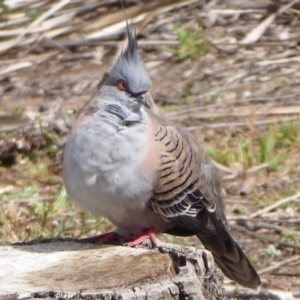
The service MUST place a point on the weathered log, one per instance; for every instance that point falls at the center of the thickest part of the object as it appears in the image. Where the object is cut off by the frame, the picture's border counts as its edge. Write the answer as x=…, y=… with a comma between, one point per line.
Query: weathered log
x=67, y=268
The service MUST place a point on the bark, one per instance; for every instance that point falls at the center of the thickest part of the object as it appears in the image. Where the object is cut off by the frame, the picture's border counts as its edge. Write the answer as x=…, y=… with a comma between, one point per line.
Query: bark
x=68, y=269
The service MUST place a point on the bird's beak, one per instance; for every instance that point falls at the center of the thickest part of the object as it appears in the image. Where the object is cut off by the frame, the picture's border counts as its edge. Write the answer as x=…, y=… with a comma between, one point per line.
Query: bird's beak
x=144, y=100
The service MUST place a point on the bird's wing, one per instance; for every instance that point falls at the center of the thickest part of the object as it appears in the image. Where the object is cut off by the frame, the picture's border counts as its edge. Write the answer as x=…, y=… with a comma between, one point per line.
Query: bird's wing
x=187, y=180
x=188, y=192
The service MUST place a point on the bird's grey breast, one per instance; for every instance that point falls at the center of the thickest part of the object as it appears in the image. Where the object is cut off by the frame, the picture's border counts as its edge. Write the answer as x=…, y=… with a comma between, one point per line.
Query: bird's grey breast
x=108, y=160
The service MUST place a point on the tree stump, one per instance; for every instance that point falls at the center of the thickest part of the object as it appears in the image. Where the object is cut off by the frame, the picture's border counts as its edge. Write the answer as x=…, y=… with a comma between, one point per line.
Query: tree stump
x=68, y=268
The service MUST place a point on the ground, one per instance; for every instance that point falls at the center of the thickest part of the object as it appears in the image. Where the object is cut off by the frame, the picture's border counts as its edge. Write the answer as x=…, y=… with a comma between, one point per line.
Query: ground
x=239, y=98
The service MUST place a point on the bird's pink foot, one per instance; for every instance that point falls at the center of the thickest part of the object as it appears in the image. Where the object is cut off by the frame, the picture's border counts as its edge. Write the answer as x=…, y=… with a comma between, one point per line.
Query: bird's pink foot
x=105, y=237
x=138, y=239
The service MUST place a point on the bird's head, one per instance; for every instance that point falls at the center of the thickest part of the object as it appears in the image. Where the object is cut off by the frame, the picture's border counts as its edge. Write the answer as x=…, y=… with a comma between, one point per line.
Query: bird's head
x=128, y=76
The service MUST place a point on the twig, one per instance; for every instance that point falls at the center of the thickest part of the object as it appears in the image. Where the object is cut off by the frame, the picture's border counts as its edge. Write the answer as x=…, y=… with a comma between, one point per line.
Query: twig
x=15, y=67
x=57, y=45
x=231, y=292
x=43, y=17
x=286, y=221
x=246, y=111
x=257, y=168
x=224, y=168
x=239, y=101
x=248, y=171
x=10, y=129
x=286, y=274
x=235, y=174
x=275, y=205
x=278, y=265
x=77, y=56
x=265, y=239
x=242, y=124
x=12, y=43
x=29, y=200
x=261, y=225
x=26, y=63
x=256, y=33
x=235, y=11
x=278, y=61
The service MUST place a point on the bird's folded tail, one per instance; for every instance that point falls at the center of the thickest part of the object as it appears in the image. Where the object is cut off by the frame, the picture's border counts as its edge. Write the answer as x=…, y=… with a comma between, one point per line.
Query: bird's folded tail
x=230, y=257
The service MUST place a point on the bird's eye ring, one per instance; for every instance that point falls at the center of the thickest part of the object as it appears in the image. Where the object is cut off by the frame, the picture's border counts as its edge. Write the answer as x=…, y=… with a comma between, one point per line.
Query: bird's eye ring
x=122, y=85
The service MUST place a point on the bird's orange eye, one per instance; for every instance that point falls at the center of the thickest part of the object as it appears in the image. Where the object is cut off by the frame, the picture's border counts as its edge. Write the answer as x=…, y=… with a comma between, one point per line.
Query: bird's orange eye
x=122, y=85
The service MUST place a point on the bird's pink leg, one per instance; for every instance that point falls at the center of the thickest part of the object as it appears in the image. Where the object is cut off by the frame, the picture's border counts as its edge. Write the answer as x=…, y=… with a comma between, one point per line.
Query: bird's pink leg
x=105, y=237
x=138, y=239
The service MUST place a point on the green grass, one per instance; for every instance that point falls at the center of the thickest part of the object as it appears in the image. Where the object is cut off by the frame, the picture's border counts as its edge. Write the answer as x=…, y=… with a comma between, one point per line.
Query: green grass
x=17, y=111
x=274, y=146
x=240, y=211
x=4, y=7
x=38, y=219
x=192, y=44
x=34, y=14
x=253, y=260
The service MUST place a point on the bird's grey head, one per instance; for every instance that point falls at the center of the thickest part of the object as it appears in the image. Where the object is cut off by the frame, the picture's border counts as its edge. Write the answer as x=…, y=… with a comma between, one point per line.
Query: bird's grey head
x=129, y=76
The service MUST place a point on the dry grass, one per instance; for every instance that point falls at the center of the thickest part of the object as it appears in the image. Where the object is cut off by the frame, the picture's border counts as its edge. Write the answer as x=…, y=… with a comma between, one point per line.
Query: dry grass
x=234, y=86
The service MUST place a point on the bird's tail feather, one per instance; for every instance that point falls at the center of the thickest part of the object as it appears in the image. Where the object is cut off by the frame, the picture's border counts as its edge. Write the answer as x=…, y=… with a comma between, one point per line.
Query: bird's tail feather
x=230, y=258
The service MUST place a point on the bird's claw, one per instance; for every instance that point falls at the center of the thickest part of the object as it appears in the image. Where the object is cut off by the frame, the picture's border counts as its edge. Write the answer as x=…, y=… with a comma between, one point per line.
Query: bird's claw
x=104, y=238
x=129, y=241
x=135, y=240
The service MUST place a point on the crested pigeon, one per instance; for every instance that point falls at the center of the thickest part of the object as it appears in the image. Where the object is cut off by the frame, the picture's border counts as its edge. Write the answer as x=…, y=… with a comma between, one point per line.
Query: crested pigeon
x=126, y=163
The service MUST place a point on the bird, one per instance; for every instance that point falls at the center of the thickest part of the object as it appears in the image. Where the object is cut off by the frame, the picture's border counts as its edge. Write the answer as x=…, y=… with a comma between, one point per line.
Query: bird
x=147, y=176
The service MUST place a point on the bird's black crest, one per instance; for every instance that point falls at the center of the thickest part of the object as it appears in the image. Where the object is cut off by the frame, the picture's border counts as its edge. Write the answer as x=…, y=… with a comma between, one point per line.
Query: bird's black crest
x=129, y=67
x=132, y=47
